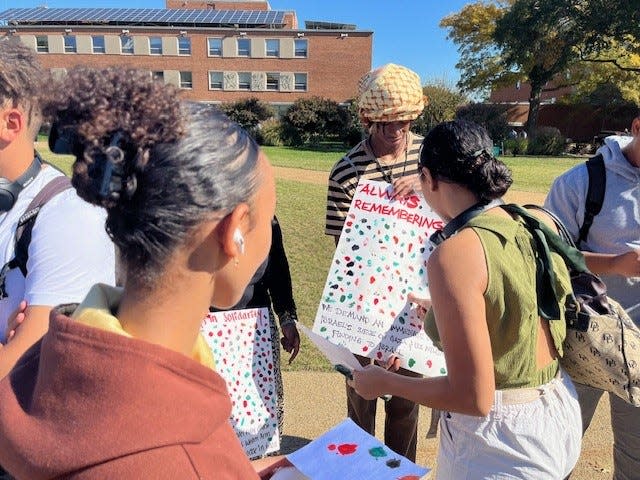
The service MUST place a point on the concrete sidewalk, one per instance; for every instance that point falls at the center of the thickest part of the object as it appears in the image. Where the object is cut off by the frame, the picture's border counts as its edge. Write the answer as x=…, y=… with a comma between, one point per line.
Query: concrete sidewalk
x=316, y=401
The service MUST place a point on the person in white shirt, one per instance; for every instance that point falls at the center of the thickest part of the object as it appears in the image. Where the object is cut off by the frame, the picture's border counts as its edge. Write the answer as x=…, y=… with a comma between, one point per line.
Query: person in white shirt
x=69, y=250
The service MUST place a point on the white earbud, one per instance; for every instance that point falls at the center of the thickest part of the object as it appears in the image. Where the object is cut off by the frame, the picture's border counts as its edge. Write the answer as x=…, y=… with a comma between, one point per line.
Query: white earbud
x=239, y=240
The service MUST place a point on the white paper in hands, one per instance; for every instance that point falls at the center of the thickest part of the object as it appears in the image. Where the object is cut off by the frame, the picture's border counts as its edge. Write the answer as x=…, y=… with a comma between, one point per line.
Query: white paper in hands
x=336, y=354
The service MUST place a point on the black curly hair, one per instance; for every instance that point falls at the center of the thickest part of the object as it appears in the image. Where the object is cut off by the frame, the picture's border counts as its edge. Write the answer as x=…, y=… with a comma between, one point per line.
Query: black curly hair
x=461, y=152
x=158, y=166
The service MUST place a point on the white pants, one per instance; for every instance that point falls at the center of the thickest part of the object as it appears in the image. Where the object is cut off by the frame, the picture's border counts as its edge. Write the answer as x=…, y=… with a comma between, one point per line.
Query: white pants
x=532, y=433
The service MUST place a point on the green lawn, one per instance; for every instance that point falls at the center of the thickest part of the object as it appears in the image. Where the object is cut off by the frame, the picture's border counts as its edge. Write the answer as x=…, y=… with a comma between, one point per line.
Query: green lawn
x=306, y=159
x=531, y=174
x=301, y=208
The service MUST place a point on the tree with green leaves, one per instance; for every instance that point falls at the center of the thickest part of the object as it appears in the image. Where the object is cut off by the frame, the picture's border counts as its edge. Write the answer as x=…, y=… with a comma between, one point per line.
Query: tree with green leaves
x=248, y=113
x=505, y=41
x=310, y=120
x=443, y=100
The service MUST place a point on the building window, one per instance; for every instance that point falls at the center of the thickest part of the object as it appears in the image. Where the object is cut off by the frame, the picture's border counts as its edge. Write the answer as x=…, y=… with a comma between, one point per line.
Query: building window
x=215, y=80
x=184, y=46
x=126, y=44
x=155, y=45
x=215, y=47
x=158, y=75
x=42, y=44
x=300, y=82
x=244, y=47
x=97, y=42
x=273, y=47
x=186, y=80
x=70, y=44
x=244, y=81
x=300, y=48
x=273, y=81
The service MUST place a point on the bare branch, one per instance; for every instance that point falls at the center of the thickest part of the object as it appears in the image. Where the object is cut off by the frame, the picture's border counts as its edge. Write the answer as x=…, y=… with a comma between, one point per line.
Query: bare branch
x=613, y=61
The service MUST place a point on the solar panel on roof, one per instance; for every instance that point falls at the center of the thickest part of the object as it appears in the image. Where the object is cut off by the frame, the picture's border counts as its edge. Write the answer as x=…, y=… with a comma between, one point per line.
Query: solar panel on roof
x=142, y=15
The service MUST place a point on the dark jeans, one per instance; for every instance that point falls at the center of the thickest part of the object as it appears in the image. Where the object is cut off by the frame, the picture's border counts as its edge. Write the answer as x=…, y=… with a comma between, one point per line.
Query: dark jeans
x=401, y=420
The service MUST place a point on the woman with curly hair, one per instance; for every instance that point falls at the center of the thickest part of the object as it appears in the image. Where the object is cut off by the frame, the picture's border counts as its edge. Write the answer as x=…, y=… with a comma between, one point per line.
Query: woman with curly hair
x=123, y=386
x=508, y=409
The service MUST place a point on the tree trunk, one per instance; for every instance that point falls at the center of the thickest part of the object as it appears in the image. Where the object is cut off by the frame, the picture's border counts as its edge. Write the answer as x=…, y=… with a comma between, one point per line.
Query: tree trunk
x=534, y=109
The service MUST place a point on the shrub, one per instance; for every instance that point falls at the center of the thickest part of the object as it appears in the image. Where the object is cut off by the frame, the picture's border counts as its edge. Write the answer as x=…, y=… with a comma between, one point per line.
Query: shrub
x=515, y=146
x=248, y=113
x=270, y=133
x=353, y=132
x=310, y=120
x=546, y=141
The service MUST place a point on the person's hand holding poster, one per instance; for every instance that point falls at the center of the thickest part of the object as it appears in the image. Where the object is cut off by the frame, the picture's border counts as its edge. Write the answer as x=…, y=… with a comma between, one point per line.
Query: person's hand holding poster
x=380, y=259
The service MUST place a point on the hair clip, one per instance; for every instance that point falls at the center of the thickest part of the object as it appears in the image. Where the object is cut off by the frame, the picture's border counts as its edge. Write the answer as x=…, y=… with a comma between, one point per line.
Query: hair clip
x=482, y=152
x=63, y=140
x=111, y=181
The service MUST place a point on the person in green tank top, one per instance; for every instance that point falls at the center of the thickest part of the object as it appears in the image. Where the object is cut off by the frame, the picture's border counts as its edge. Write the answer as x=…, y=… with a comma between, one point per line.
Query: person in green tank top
x=508, y=409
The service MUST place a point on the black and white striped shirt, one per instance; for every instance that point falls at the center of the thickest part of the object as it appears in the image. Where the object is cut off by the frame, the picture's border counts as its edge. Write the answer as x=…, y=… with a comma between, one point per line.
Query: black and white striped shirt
x=360, y=163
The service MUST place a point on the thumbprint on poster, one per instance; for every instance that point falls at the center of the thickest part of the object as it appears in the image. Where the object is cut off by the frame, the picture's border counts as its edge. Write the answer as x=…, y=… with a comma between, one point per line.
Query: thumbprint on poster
x=343, y=448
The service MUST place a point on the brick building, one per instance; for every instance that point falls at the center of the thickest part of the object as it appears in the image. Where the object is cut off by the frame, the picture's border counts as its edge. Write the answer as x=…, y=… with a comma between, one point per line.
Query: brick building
x=214, y=51
x=578, y=122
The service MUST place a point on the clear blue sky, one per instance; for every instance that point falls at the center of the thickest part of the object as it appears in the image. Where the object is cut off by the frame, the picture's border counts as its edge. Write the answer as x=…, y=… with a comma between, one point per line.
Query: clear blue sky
x=405, y=31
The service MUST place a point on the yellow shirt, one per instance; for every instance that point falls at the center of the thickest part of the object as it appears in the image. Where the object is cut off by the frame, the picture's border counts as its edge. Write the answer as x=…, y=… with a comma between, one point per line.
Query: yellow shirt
x=95, y=311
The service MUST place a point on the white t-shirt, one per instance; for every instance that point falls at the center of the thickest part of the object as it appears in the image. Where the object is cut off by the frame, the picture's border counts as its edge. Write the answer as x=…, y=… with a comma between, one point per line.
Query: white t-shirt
x=68, y=253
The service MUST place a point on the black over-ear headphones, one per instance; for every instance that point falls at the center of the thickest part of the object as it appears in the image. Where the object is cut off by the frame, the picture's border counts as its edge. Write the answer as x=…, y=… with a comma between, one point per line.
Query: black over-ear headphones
x=9, y=190
x=461, y=220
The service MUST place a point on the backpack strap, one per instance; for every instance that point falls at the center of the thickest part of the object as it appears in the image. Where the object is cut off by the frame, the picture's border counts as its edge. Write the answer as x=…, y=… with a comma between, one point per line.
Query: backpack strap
x=547, y=241
x=458, y=222
x=25, y=227
x=595, y=194
x=562, y=229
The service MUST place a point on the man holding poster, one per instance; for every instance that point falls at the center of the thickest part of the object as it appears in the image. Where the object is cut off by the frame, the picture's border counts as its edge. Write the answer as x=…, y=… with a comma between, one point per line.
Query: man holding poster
x=389, y=98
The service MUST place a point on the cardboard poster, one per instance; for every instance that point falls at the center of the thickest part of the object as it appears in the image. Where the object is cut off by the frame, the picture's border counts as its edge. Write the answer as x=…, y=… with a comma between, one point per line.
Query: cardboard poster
x=381, y=257
x=348, y=452
x=241, y=344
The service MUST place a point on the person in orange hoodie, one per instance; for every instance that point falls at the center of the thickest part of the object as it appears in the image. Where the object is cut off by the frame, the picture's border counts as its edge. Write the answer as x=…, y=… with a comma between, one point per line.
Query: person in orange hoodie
x=123, y=385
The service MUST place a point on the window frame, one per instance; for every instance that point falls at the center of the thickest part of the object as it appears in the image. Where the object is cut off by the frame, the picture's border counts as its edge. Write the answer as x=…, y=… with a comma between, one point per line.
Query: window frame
x=218, y=39
x=181, y=49
x=157, y=75
x=240, y=84
x=101, y=50
x=211, y=85
x=70, y=48
x=151, y=49
x=295, y=49
x=126, y=51
x=296, y=83
x=241, y=53
x=39, y=49
x=273, y=53
x=277, y=85
x=186, y=85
